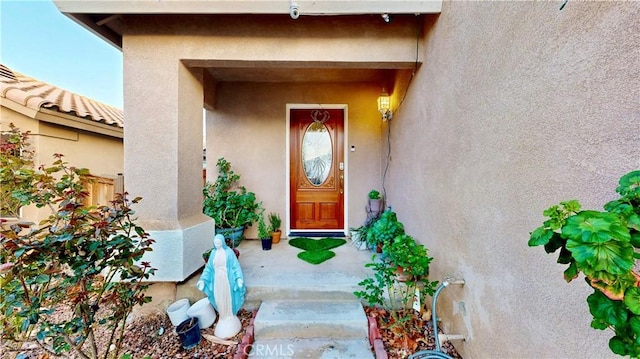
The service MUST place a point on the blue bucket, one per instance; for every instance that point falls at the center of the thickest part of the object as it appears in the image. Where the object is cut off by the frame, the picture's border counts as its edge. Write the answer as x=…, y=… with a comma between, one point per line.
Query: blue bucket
x=189, y=333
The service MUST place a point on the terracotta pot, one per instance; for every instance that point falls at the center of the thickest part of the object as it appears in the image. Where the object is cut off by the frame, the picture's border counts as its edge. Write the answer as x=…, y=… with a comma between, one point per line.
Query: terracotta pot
x=275, y=237
x=401, y=275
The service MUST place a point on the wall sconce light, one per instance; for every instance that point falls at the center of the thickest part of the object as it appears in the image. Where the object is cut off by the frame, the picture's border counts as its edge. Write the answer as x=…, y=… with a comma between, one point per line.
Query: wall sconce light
x=384, y=105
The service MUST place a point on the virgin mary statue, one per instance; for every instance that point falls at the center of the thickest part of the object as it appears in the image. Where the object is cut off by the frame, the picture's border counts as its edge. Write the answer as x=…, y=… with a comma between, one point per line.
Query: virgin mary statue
x=223, y=283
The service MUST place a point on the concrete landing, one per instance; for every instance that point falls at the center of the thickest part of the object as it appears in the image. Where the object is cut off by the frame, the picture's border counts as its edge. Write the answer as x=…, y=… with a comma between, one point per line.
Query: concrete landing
x=278, y=274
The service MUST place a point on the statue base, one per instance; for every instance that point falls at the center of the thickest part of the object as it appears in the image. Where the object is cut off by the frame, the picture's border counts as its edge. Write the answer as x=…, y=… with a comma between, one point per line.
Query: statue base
x=227, y=327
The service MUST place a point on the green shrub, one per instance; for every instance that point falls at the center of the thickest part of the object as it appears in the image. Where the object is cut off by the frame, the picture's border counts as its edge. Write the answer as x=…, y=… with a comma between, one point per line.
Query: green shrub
x=604, y=247
x=82, y=257
x=229, y=204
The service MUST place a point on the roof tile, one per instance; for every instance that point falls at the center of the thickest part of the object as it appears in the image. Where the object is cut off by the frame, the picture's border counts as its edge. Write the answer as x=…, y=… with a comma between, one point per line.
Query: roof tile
x=36, y=94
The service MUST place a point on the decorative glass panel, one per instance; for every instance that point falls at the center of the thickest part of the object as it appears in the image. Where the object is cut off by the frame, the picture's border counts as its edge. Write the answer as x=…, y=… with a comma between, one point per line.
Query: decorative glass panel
x=317, y=153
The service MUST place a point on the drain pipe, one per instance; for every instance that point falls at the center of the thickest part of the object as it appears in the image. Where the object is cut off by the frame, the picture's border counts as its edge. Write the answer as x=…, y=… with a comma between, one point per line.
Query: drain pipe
x=440, y=339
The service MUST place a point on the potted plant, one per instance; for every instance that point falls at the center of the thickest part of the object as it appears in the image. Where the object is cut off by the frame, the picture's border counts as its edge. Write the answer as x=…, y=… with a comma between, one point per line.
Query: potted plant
x=408, y=257
x=264, y=234
x=232, y=207
x=274, y=227
x=374, y=206
x=384, y=230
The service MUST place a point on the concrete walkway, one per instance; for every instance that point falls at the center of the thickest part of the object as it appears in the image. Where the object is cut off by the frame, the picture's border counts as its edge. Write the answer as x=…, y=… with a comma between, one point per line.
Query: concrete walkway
x=305, y=310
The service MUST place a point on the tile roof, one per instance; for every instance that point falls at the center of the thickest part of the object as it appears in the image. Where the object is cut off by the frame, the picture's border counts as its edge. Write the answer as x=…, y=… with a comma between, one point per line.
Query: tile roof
x=38, y=95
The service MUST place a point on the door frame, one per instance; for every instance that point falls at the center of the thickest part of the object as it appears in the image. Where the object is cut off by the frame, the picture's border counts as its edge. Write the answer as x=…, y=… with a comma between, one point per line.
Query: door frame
x=305, y=106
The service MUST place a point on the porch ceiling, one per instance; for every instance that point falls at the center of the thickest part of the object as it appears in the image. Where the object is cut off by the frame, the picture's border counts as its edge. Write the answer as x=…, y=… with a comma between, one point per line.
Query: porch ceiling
x=221, y=74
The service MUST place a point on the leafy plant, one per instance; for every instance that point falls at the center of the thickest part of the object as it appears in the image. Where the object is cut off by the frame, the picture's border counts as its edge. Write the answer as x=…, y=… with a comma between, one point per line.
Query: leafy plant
x=374, y=194
x=386, y=288
x=604, y=247
x=229, y=204
x=274, y=222
x=405, y=252
x=81, y=257
x=263, y=232
x=384, y=229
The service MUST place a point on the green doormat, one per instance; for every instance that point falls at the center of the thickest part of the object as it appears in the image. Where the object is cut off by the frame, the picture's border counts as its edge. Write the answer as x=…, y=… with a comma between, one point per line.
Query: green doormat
x=316, y=251
x=316, y=257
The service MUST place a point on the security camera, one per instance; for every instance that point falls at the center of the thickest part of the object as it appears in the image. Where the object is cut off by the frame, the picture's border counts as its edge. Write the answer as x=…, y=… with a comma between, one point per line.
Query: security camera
x=294, y=11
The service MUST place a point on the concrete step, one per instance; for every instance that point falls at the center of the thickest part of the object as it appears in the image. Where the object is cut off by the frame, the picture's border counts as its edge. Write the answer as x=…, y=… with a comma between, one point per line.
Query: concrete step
x=310, y=319
x=325, y=348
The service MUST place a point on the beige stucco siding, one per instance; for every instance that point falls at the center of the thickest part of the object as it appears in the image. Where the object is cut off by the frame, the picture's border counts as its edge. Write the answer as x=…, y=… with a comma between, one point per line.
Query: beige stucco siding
x=249, y=129
x=519, y=105
x=102, y=155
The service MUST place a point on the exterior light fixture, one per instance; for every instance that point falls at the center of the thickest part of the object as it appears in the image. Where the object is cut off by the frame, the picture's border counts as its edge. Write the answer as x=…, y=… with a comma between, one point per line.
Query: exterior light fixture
x=384, y=105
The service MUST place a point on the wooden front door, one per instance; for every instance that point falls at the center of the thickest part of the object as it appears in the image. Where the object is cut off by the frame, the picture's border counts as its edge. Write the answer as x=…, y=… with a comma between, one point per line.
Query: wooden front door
x=317, y=169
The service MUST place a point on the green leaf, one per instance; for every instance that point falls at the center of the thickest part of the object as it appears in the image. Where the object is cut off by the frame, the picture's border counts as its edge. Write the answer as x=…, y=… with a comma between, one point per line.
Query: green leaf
x=613, y=257
x=633, y=221
x=635, y=239
x=617, y=345
x=25, y=325
x=630, y=185
x=598, y=324
x=42, y=279
x=632, y=299
x=634, y=323
x=555, y=242
x=565, y=256
x=610, y=311
x=571, y=205
x=540, y=236
x=597, y=227
x=571, y=273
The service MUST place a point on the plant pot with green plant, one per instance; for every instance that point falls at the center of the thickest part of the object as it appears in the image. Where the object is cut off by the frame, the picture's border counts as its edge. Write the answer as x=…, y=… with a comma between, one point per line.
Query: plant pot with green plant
x=264, y=234
x=374, y=204
x=232, y=207
x=384, y=230
x=408, y=257
x=274, y=227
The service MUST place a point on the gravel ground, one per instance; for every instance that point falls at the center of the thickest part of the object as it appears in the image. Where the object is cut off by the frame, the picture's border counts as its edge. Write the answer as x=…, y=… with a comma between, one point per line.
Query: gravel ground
x=144, y=337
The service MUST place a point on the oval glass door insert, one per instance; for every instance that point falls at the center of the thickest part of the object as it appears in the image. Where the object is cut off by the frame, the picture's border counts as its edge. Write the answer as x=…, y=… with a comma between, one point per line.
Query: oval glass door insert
x=317, y=153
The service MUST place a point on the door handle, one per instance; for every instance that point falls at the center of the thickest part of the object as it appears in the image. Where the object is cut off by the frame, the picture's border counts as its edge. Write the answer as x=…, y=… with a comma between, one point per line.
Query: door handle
x=341, y=181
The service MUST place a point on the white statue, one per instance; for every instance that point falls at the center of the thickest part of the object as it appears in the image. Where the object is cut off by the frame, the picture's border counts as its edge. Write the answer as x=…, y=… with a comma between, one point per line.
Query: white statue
x=223, y=283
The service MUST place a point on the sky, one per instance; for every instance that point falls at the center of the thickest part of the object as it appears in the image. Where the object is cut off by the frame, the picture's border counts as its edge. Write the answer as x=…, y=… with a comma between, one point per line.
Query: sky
x=38, y=41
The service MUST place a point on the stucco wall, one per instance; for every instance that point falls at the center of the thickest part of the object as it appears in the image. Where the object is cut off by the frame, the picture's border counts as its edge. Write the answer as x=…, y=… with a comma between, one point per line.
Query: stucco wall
x=249, y=126
x=102, y=155
x=519, y=105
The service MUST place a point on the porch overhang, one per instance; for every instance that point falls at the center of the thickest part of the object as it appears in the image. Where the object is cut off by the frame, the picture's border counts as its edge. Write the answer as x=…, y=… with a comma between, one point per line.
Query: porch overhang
x=102, y=17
